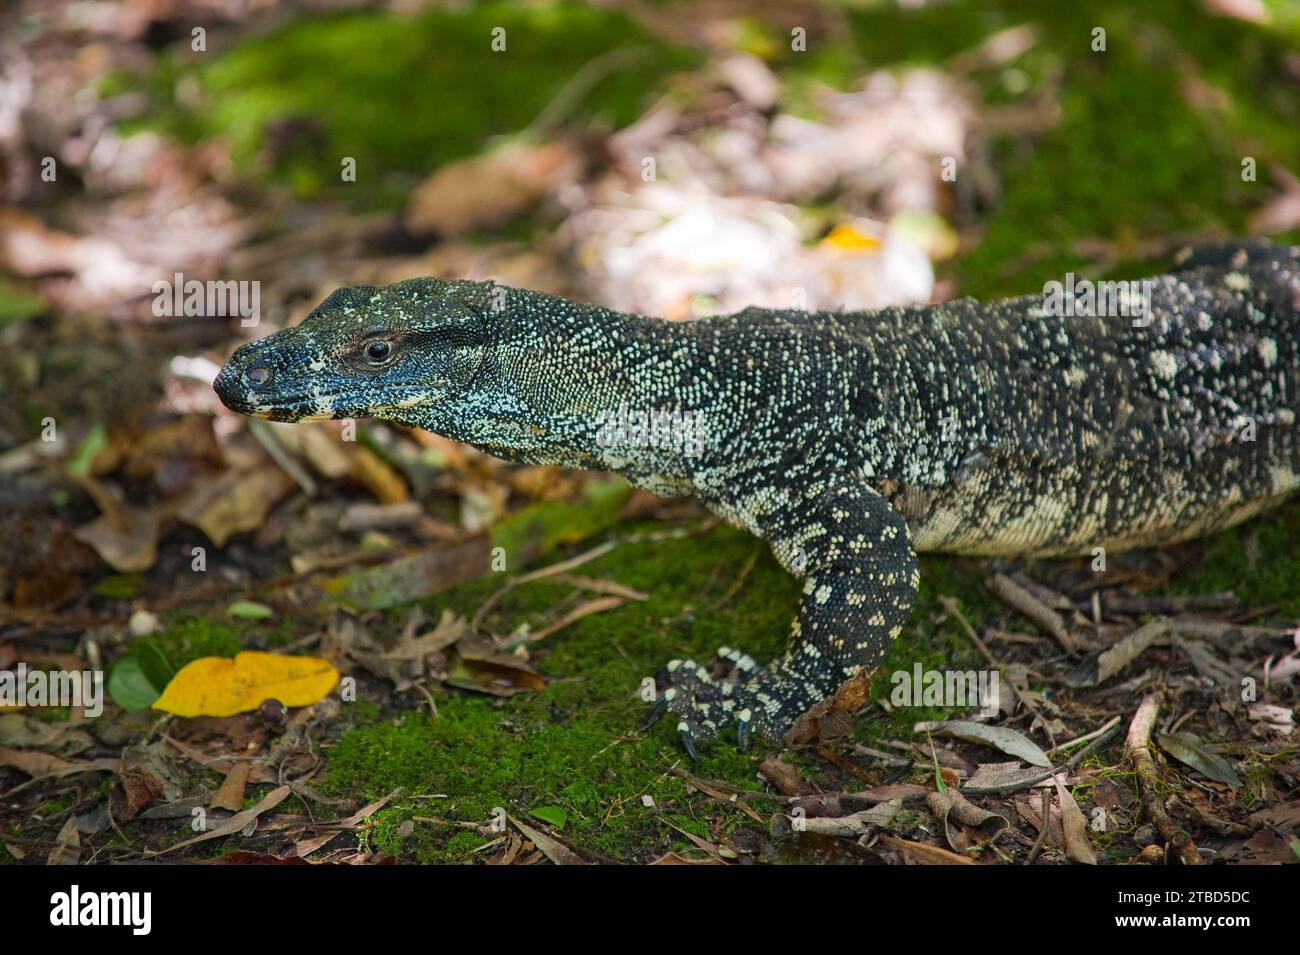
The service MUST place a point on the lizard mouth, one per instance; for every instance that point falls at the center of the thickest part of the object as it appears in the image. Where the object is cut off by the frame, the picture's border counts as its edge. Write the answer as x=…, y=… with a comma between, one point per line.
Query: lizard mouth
x=239, y=391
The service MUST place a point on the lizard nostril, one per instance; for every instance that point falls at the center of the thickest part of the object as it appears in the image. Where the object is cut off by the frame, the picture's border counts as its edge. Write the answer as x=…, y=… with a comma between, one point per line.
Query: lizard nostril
x=258, y=377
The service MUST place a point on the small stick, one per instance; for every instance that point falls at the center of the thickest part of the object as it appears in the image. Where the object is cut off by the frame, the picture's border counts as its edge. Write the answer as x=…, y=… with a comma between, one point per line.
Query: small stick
x=1027, y=605
x=564, y=566
x=1137, y=746
x=1042, y=832
x=1087, y=736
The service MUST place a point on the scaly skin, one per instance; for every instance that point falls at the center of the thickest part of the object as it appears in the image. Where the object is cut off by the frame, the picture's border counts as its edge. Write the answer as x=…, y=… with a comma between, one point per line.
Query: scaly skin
x=848, y=441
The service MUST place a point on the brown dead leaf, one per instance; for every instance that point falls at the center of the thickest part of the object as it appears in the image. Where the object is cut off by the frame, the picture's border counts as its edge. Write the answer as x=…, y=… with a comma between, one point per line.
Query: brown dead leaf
x=382, y=481
x=233, y=502
x=328, y=456
x=136, y=791
x=125, y=537
x=672, y=858
x=847, y=700
x=67, y=846
x=924, y=854
x=1285, y=815
x=236, y=822
x=230, y=794
x=963, y=822
x=450, y=629
x=1074, y=826
x=480, y=667
x=40, y=765
x=24, y=731
x=555, y=850
x=28, y=247
x=423, y=573
x=486, y=191
x=1283, y=211
x=47, y=591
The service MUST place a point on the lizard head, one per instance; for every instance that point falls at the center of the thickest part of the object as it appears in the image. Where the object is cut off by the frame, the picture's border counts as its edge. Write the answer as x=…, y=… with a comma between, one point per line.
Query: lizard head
x=408, y=352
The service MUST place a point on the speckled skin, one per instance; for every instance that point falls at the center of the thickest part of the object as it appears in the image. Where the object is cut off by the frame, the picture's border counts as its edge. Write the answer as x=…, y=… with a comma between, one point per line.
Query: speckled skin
x=848, y=441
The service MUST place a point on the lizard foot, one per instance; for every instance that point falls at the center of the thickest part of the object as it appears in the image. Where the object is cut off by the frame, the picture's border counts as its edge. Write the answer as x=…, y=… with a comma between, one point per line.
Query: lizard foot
x=756, y=700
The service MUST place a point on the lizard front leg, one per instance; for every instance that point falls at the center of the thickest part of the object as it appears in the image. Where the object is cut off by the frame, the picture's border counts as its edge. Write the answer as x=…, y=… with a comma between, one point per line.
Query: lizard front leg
x=860, y=579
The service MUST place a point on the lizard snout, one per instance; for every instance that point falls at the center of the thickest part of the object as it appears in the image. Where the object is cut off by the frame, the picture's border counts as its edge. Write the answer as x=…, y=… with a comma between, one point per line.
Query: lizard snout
x=239, y=380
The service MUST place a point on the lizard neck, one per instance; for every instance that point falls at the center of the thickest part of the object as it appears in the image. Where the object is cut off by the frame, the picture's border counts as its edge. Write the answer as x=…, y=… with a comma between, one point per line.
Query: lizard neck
x=578, y=385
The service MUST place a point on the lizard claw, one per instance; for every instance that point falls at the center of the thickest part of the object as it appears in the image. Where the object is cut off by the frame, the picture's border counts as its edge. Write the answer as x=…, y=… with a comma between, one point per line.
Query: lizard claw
x=743, y=731
x=659, y=708
x=684, y=733
x=704, y=705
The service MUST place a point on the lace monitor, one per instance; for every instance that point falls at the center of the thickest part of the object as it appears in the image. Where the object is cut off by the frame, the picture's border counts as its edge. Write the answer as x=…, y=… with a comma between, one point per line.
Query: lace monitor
x=847, y=440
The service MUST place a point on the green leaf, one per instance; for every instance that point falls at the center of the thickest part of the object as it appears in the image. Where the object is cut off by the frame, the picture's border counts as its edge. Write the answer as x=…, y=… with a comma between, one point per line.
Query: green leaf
x=118, y=586
x=153, y=662
x=248, y=610
x=129, y=688
x=90, y=446
x=551, y=815
x=18, y=303
x=1187, y=748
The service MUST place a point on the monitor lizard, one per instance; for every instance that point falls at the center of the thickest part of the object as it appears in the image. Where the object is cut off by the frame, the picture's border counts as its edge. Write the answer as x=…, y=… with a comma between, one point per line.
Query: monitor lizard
x=849, y=441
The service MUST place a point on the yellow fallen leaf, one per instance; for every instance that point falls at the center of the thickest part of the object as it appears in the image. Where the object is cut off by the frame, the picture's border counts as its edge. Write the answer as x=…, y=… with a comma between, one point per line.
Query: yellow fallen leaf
x=849, y=239
x=220, y=686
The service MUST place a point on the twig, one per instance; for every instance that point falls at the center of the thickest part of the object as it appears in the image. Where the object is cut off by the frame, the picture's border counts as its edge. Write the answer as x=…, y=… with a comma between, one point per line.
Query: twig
x=1137, y=748
x=736, y=584
x=270, y=443
x=1139, y=604
x=1026, y=604
x=579, y=85
x=1222, y=826
x=1042, y=831
x=1087, y=736
x=600, y=550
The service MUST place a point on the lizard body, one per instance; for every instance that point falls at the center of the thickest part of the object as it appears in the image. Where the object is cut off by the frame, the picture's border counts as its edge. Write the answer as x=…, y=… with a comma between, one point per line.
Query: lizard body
x=848, y=441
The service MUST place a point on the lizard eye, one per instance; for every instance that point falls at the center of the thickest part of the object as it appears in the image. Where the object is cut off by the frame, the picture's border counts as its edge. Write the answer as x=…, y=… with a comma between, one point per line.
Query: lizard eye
x=378, y=352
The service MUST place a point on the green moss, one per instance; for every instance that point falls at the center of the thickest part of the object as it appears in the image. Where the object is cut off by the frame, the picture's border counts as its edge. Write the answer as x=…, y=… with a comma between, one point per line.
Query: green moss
x=576, y=745
x=537, y=529
x=400, y=95
x=1259, y=561
x=54, y=806
x=18, y=303
x=1134, y=153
